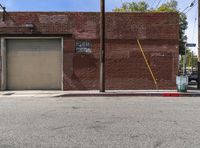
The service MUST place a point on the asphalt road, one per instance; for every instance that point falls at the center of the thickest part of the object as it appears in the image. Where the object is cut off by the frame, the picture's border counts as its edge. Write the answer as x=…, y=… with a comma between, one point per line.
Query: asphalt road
x=127, y=122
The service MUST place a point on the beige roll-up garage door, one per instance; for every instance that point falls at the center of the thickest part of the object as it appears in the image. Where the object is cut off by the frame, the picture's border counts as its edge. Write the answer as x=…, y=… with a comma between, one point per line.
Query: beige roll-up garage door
x=33, y=64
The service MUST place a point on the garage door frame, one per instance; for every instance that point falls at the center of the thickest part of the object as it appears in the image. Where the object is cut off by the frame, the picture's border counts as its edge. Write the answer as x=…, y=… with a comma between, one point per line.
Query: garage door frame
x=4, y=60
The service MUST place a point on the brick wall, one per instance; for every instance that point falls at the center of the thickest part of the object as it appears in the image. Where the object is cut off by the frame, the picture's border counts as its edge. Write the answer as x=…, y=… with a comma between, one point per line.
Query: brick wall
x=125, y=69
x=125, y=66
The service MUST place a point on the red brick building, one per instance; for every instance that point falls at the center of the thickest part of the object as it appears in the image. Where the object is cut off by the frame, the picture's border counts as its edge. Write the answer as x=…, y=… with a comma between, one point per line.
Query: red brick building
x=60, y=50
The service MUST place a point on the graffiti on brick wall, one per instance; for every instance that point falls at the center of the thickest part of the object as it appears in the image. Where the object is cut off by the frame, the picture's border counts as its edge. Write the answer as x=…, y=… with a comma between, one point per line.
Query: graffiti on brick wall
x=83, y=47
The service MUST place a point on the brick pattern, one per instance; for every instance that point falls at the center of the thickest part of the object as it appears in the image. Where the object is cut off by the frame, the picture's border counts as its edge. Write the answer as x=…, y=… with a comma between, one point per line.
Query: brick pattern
x=125, y=66
x=86, y=25
x=125, y=69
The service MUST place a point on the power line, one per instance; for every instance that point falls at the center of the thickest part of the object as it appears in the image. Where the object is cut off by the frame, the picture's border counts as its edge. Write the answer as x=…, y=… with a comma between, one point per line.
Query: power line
x=191, y=5
x=185, y=8
x=191, y=8
x=158, y=3
x=153, y=3
x=4, y=11
x=195, y=20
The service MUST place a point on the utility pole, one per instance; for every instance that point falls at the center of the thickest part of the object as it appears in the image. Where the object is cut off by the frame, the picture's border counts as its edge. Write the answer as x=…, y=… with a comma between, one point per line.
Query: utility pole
x=102, y=47
x=198, y=44
x=192, y=62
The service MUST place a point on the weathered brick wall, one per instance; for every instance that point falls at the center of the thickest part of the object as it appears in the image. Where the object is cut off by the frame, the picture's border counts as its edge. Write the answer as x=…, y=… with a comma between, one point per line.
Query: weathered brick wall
x=86, y=25
x=125, y=69
x=125, y=66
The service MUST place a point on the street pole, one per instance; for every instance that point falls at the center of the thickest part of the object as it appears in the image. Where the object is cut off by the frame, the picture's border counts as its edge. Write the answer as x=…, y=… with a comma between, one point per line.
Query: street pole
x=192, y=63
x=102, y=47
x=198, y=44
x=185, y=62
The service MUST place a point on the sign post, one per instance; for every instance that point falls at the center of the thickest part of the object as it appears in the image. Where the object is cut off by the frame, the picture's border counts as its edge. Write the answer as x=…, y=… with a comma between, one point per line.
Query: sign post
x=185, y=58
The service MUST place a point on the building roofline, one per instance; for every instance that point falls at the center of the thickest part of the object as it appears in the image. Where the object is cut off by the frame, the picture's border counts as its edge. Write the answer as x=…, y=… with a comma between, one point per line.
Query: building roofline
x=91, y=12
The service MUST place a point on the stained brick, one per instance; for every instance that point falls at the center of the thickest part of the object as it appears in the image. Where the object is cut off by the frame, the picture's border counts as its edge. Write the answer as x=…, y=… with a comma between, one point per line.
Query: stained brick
x=125, y=66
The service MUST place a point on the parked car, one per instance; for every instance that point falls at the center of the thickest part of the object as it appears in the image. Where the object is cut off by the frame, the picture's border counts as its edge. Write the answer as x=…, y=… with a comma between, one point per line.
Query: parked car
x=193, y=76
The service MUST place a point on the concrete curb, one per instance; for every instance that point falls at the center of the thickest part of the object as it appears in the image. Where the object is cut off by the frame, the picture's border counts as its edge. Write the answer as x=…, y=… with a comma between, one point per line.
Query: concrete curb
x=167, y=94
x=114, y=93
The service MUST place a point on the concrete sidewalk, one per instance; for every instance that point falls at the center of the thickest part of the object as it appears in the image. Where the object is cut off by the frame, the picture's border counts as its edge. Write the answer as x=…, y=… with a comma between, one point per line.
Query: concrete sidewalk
x=109, y=93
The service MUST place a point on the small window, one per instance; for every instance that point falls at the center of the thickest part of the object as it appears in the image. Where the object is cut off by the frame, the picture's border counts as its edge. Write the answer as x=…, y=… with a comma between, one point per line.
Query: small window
x=83, y=47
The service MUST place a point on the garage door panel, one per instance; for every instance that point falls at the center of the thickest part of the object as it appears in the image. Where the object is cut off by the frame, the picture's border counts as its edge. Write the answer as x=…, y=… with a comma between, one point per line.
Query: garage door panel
x=34, y=64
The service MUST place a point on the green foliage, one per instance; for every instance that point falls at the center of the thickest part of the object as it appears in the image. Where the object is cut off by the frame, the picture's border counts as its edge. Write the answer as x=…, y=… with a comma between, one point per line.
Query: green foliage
x=183, y=24
x=133, y=7
x=170, y=6
x=189, y=61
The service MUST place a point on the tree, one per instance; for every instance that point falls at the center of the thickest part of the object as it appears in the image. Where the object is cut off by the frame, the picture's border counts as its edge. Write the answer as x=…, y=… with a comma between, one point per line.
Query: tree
x=133, y=7
x=189, y=61
x=170, y=6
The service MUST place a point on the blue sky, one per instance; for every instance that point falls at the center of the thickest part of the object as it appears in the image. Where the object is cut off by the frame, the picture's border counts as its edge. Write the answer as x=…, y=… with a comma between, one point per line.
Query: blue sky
x=93, y=5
